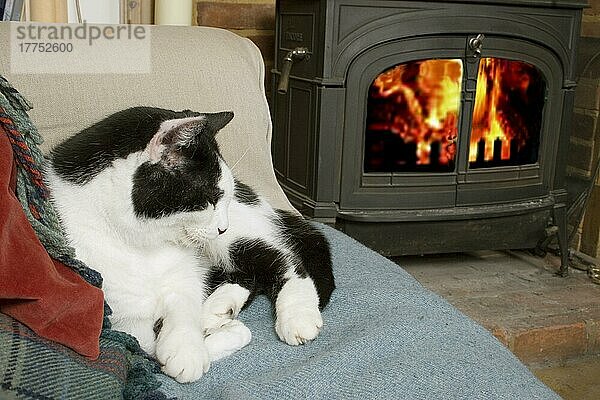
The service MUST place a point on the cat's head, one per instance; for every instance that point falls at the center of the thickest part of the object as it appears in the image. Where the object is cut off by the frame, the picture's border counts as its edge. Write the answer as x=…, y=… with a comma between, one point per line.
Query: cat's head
x=185, y=173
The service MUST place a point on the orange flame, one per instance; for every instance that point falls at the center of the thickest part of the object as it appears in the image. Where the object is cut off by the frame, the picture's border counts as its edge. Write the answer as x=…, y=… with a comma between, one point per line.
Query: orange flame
x=425, y=98
x=496, y=80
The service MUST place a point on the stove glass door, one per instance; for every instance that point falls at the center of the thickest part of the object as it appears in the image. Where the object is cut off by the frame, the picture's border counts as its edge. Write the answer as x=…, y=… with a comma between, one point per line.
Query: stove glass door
x=507, y=115
x=412, y=117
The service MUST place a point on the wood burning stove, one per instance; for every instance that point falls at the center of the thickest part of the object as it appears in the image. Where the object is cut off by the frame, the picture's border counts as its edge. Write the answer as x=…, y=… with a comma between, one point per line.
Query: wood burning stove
x=431, y=126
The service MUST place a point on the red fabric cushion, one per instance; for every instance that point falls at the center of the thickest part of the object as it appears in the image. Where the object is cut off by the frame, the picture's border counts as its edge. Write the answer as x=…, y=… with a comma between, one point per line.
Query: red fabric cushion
x=42, y=293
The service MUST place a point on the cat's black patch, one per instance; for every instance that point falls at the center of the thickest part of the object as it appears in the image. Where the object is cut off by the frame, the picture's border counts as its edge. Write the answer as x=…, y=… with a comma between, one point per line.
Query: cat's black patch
x=259, y=268
x=245, y=194
x=188, y=184
x=159, y=191
x=83, y=156
x=313, y=250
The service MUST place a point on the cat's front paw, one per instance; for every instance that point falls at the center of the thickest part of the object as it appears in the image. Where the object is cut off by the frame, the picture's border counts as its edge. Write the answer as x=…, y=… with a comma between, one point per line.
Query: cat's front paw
x=182, y=354
x=228, y=339
x=222, y=306
x=297, y=326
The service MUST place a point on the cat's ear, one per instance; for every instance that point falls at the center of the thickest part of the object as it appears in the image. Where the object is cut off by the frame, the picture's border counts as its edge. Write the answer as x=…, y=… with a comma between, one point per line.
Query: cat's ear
x=184, y=132
x=190, y=113
x=216, y=121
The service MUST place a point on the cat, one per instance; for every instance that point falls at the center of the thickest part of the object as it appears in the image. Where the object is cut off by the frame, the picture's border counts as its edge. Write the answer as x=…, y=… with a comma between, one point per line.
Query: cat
x=147, y=200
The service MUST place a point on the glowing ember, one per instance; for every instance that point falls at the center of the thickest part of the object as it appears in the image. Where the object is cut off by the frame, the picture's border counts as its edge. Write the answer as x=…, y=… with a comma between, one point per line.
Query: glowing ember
x=413, y=114
x=507, y=114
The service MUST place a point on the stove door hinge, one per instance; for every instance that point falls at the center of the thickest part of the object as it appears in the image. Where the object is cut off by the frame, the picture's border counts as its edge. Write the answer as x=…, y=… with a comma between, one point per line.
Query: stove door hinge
x=569, y=84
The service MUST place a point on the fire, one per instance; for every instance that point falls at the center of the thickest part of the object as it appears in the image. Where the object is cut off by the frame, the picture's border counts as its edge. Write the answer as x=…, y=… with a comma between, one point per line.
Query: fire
x=500, y=115
x=413, y=112
x=419, y=103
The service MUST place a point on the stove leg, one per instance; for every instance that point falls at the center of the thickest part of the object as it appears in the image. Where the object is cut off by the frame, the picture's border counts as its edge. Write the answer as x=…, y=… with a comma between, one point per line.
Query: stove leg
x=560, y=219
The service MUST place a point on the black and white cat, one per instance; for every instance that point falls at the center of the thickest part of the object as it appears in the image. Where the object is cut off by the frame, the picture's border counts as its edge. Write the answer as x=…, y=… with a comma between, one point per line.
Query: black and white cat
x=147, y=200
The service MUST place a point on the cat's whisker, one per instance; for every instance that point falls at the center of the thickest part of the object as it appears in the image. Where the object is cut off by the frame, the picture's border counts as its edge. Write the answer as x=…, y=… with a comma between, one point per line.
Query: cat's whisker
x=240, y=159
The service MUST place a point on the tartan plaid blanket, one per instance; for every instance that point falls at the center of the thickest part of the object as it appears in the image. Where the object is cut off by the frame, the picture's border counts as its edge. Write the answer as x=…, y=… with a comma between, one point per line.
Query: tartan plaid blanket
x=35, y=368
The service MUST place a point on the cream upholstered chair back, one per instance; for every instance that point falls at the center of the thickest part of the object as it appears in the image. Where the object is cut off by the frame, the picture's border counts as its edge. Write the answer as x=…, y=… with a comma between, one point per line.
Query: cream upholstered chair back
x=196, y=68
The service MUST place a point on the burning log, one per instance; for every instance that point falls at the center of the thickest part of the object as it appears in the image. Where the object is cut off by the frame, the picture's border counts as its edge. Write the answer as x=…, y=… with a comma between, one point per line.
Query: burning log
x=434, y=153
x=497, y=157
x=514, y=151
x=480, y=151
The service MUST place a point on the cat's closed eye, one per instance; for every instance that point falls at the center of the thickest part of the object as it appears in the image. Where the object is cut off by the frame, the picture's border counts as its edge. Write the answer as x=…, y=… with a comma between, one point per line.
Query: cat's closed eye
x=215, y=196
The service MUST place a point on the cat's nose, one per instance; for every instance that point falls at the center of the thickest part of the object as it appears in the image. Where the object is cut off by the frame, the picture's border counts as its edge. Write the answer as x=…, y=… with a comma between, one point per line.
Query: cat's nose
x=221, y=231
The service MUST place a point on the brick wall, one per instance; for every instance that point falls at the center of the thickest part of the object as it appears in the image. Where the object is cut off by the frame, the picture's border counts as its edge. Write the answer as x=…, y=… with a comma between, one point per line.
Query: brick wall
x=590, y=25
x=585, y=137
x=254, y=19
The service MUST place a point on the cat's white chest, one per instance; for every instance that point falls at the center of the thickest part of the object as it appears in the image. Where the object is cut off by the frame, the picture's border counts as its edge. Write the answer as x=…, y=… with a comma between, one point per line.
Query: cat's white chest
x=144, y=276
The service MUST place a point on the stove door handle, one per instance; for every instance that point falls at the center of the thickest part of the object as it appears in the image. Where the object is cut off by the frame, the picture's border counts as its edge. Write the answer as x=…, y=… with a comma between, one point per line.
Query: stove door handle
x=299, y=53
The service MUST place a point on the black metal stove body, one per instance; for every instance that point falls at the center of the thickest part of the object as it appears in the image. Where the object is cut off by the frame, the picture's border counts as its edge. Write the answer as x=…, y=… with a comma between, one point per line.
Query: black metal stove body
x=321, y=140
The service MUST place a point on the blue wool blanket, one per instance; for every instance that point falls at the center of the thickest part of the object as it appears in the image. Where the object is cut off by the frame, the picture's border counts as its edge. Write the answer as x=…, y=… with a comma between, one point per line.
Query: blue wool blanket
x=385, y=337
